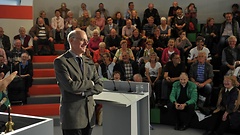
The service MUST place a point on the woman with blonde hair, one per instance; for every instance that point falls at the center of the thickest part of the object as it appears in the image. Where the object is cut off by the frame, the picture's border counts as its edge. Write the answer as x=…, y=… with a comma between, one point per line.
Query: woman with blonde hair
x=153, y=70
x=42, y=14
x=227, y=113
x=136, y=21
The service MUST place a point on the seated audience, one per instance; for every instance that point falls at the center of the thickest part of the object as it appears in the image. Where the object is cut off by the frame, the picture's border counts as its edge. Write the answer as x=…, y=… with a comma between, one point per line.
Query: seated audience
x=129, y=10
x=112, y=41
x=26, y=40
x=42, y=14
x=84, y=21
x=15, y=54
x=158, y=43
x=68, y=20
x=153, y=73
x=116, y=76
x=172, y=13
x=127, y=30
x=165, y=31
x=63, y=10
x=191, y=17
x=193, y=54
x=25, y=71
x=236, y=12
x=57, y=24
x=183, y=99
x=98, y=54
x=4, y=68
x=136, y=43
x=4, y=41
x=119, y=54
x=227, y=111
x=201, y=73
x=172, y=71
x=103, y=11
x=209, y=32
x=151, y=11
x=42, y=35
x=73, y=27
x=182, y=42
x=118, y=19
x=179, y=22
x=167, y=52
x=230, y=55
x=109, y=26
x=94, y=41
x=127, y=67
x=105, y=69
x=91, y=28
x=137, y=78
x=100, y=22
x=136, y=21
x=229, y=27
x=148, y=28
x=148, y=49
x=83, y=8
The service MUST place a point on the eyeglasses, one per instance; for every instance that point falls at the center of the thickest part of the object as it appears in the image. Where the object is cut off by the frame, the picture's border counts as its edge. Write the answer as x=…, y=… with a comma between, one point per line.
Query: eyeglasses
x=81, y=40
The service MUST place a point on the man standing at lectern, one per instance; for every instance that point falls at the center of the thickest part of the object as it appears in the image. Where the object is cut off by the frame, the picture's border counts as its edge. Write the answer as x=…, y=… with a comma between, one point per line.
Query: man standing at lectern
x=78, y=81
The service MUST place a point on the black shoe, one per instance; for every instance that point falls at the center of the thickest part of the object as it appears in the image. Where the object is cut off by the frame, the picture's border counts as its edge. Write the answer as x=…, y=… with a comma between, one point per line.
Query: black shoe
x=208, y=133
x=176, y=127
x=184, y=127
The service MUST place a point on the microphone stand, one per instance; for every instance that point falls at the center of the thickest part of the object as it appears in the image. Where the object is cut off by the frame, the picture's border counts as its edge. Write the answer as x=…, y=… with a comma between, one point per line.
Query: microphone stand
x=130, y=89
x=114, y=86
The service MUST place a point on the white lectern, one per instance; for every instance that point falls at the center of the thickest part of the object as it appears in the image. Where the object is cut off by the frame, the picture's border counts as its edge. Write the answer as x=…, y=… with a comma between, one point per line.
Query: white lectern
x=124, y=113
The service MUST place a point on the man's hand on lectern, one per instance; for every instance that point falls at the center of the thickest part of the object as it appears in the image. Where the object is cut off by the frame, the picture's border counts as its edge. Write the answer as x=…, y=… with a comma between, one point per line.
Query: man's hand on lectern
x=4, y=82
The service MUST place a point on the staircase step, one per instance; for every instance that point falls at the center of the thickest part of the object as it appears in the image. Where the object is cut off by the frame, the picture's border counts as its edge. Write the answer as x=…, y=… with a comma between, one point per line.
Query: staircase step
x=43, y=73
x=44, y=80
x=49, y=89
x=44, y=99
x=59, y=47
x=49, y=58
x=37, y=109
x=41, y=65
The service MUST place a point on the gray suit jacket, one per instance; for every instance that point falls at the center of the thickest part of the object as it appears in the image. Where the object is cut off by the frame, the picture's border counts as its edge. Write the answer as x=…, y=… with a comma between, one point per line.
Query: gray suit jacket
x=76, y=111
x=106, y=29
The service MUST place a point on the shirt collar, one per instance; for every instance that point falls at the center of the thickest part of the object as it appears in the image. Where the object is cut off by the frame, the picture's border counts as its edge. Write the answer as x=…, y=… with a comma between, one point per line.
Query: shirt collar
x=228, y=90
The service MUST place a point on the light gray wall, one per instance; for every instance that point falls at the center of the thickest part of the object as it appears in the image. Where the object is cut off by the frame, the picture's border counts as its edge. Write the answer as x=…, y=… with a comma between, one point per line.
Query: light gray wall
x=206, y=8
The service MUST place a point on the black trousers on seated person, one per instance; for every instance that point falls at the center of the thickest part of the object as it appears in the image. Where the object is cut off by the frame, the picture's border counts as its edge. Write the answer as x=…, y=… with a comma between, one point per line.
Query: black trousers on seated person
x=43, y=42
x=182, y=117
x=215, y=123
x=84, y=131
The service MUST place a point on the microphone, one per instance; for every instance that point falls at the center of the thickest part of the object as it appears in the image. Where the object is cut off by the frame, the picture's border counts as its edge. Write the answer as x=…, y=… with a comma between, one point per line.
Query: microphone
x=130, y=89
x=114, y=86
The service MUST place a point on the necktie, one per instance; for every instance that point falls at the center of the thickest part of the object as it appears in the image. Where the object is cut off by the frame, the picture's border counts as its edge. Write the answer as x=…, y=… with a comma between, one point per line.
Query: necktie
x=79, y=59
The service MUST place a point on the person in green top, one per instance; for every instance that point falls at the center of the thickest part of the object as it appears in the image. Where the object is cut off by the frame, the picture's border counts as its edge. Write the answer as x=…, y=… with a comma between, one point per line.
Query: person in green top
x=4, y=101
x=183, y=99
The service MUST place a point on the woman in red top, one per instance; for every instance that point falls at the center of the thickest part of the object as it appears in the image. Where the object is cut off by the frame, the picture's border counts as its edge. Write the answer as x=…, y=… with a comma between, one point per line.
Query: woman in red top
x=167, y=52
x=94, y=41
x=97, y=56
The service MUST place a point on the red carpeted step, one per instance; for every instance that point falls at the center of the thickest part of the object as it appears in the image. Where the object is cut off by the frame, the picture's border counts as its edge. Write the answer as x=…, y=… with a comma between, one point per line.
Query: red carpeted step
x=43, y=73
x=37, y=109
x=59, y=46
x=50, y=89
x=44, y=58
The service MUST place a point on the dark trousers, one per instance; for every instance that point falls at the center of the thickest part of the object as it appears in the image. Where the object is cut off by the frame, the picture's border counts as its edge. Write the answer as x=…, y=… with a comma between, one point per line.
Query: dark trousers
x=182, y=117
x=84, y=131
x=43, y=42
x=215, y=123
